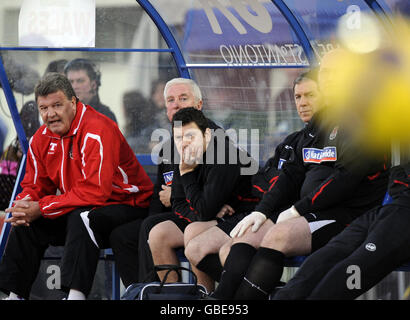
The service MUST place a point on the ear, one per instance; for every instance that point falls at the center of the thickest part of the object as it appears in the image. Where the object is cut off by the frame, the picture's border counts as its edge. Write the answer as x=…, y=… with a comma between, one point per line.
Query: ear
x=208, y=135
x=94, y=85
x=199, y=106
x=74, y=103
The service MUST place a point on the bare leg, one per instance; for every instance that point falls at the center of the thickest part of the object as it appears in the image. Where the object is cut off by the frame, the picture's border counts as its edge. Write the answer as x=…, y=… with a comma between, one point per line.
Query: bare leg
x=288, y=238
x=191, y=231
x=206, y=243
x=252, y=238
x=163, y=239
x=291, y=237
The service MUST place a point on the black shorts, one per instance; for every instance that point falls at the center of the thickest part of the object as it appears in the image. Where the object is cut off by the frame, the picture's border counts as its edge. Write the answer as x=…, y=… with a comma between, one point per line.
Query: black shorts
x=226, y=224
x=178, y=220
x=324, y=225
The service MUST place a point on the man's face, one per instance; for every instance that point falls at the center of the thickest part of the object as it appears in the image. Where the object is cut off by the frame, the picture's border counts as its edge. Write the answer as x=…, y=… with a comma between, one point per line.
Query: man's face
x=57, y=111
x=307, y=99
x=190, y=142
x=84, y=87
x=180, y=96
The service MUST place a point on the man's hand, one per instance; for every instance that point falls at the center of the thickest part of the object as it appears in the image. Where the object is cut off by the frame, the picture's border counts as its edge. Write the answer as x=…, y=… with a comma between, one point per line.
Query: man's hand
x=254, y=220
x=225, y=210
x=190, y=159
x=165, y=195
x=23, y=212
x=288, y=214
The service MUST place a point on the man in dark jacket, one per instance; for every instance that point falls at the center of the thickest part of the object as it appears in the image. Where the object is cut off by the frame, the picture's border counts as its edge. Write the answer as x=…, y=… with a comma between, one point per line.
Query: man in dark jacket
x=204, y=182
x=205, y=258
x=133, y=255
x=371, y=247
x=334, y=183
x=86, y=80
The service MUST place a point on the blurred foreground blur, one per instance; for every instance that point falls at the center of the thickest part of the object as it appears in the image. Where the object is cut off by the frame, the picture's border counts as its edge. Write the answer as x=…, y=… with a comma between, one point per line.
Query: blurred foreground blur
x=369, y=92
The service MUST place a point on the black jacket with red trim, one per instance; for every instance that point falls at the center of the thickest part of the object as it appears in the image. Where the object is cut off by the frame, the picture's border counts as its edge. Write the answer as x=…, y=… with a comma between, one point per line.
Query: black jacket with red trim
x=264, y=180
x=327, y=171
x=199, y=195
x=168, y=158
x=399, y=185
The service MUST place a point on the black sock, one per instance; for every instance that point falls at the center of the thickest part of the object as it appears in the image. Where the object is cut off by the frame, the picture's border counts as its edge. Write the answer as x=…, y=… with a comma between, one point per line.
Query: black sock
x=262, y=276
x=211, y=265
x=234, y=269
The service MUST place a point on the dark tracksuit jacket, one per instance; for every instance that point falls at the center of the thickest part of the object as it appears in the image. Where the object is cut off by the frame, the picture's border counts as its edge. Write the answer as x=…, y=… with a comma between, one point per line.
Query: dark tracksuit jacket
x=200, y=194
x=327, y=171
x=376, y=243
x=264, y=180
x=165, y=172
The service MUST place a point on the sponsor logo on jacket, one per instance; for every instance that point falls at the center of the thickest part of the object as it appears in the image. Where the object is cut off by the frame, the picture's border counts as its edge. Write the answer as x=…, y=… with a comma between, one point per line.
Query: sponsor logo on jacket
x=168, y=177
x=52, y=148
x=314, y=155
x=280, y=163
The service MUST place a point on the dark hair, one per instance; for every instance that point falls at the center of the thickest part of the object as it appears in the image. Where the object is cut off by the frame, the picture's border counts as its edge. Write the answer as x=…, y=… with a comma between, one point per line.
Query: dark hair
x=188, y=115
x=87, y=65
x=56, y=66
x=307, y=75
x=53, y=82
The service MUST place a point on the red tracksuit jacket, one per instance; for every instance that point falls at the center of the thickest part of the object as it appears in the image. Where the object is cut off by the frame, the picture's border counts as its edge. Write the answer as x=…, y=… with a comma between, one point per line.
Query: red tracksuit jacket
x=92, y=165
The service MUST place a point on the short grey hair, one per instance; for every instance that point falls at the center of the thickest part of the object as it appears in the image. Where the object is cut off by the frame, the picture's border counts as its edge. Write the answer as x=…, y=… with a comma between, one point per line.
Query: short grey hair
x=196, y=91
x=53, y=82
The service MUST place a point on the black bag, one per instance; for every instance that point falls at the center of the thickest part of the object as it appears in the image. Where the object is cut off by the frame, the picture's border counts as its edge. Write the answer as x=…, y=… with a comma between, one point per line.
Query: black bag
x=165, y=291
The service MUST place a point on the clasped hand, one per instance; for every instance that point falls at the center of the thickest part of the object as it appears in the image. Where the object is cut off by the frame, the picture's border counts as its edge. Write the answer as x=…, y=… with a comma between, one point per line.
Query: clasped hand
x=23, y=212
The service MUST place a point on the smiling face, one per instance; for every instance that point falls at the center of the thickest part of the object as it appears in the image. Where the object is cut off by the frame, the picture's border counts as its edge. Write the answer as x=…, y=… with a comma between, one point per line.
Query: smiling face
x=57, y=111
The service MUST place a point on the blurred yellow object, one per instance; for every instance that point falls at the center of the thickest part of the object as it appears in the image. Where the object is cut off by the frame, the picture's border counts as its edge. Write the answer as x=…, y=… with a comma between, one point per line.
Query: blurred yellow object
x=359, y=32
x=370, y=92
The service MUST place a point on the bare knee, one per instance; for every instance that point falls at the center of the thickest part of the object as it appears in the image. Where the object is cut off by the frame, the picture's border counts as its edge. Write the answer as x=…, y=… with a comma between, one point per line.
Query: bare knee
x=279, y=238
x=159, y=235
x=196, y=228
x=194, y=251
x=192, y=230
x=224, y=251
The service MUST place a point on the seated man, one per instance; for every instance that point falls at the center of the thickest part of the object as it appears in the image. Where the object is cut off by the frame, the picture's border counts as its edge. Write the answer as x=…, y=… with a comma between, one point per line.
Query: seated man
x=373, y=245
x=307, y=100
x=203, y=183
x=334, y=183
x=130, y=241
x=83, y=155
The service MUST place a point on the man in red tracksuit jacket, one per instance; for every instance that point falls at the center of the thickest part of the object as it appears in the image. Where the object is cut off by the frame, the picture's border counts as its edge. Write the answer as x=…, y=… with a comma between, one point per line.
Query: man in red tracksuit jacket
x=82, y=181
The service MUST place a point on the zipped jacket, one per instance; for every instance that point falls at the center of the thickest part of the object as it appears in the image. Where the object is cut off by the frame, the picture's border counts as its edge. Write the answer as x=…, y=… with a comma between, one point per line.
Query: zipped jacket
x=91, y=166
